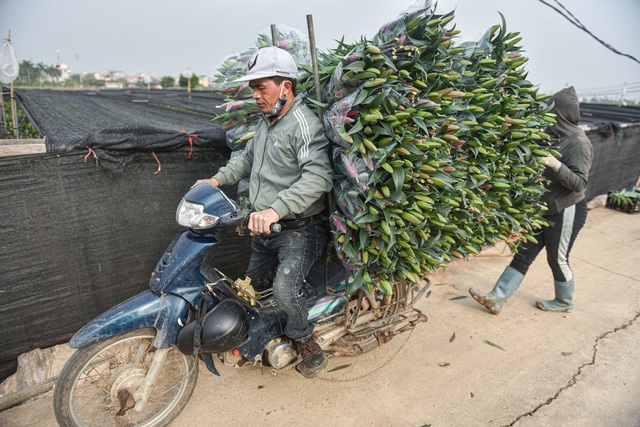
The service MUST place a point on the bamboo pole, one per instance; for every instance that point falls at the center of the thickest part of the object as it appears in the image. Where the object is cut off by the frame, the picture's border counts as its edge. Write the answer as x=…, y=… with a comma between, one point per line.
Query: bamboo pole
x=274, y=35
x=314, y=62
x=13, y=112
x=3, y=117
x=14, y=399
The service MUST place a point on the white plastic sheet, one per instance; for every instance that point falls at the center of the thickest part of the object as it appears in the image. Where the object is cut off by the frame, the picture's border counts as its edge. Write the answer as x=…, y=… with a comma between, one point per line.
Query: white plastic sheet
x=9, y=66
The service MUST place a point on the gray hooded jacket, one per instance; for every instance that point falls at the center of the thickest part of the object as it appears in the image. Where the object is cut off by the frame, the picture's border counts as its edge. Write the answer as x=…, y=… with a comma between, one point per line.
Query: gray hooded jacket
x=567, y=186
x=288, y=164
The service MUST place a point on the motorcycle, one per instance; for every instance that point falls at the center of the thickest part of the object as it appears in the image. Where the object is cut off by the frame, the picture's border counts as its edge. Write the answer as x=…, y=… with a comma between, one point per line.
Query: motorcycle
x=137, y=364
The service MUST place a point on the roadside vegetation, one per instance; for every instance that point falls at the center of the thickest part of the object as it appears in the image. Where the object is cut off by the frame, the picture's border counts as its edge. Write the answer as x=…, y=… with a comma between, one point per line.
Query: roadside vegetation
x=43, y=76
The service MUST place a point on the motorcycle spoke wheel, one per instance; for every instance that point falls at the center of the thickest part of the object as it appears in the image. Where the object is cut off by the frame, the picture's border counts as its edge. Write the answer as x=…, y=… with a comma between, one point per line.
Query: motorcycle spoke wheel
x=367, y=342
x=97, y=384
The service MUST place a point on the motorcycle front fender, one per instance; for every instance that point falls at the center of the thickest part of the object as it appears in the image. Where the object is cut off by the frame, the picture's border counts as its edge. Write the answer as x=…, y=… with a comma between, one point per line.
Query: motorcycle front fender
x=167, y=313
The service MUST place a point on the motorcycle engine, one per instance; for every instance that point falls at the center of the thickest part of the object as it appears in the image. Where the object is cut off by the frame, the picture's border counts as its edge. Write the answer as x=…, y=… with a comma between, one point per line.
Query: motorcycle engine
x=280, y=353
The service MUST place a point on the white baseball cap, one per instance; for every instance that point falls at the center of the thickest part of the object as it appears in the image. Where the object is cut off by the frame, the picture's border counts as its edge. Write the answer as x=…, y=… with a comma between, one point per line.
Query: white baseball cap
x=270, y=62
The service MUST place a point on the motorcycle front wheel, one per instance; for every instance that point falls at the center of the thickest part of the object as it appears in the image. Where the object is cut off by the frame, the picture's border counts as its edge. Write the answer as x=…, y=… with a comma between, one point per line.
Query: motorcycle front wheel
x=96, y=386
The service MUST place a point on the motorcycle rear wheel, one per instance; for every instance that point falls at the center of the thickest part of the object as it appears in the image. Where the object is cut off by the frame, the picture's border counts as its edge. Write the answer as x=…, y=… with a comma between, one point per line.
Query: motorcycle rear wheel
x=92, y=388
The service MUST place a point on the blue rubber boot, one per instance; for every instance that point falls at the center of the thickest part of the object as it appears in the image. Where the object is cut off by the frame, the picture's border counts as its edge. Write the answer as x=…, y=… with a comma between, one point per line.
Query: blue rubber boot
x=506, y=285
x=563, y=302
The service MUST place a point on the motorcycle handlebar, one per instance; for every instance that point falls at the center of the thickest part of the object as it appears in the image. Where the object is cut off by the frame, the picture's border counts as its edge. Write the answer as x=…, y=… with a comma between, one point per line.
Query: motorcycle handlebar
x=275, y=227
x=241, y=220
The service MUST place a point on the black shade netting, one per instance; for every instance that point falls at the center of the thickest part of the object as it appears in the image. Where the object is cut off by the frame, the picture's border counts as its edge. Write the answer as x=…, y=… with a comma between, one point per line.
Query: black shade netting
x=597, y=115
x=111, y=123
x=616, y=158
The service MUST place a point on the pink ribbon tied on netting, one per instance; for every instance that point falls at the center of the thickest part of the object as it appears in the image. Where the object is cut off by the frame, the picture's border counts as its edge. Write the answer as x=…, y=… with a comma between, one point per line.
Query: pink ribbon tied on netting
x=190, y=139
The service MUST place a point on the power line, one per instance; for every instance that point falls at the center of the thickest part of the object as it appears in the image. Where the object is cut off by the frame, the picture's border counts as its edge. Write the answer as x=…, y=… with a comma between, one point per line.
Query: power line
x=575, y=21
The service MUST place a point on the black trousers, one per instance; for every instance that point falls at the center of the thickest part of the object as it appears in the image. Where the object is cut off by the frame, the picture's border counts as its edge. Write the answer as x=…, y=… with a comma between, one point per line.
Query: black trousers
x=558, y=238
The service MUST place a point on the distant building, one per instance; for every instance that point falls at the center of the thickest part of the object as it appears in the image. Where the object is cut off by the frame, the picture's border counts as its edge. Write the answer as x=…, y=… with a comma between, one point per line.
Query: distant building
x=132, y=81
x=65, y=72
x=114, y=84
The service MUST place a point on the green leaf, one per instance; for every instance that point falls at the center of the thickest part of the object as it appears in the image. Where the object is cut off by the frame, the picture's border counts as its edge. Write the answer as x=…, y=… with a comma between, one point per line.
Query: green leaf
x=357, y=66
x=419, y=121
x=445, y=177
x=337, y=368
x=458, y=297
x=357, y=127
x=357, y=281
x=348, y=250
x=363, y=238
x=318, y=103
x=494, y=345
x=453, y=337
x=362, y=218
x=398, y=178
x=360, y=97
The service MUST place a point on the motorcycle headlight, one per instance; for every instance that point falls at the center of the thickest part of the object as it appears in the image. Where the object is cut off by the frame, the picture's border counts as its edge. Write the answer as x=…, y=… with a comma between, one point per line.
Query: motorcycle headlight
x=192, y=215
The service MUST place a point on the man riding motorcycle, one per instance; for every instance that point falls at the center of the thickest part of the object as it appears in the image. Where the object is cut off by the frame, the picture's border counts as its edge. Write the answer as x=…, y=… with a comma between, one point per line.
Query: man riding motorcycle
x=290, y=173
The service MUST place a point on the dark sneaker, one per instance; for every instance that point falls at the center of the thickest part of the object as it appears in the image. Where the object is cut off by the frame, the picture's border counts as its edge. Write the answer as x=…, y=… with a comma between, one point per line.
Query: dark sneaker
x=313, y=360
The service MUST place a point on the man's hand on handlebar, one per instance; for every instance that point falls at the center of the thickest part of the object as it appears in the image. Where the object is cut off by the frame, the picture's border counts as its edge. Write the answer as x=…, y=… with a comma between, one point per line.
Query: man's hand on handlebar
x=260, y=222
x=211, y=181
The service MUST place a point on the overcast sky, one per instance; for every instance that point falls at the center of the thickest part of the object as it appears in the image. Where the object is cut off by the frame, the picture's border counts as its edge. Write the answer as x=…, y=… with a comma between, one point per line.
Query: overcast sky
x=163, y=37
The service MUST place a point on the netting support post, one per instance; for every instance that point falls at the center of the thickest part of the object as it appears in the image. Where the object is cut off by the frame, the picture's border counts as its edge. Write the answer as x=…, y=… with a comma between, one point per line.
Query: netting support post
x=12, y=100
x=314, y=62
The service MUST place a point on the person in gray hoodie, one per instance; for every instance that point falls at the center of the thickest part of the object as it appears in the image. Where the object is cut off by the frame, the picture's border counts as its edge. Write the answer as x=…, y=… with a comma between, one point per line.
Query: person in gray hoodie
x=290, y=173
x=567, y=179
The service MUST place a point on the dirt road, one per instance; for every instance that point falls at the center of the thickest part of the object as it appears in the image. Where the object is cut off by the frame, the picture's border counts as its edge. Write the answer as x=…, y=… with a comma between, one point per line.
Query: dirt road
x=465, y=366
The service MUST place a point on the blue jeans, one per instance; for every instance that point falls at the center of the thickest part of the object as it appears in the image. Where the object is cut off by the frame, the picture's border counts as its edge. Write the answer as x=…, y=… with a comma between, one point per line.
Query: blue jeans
x=558, y=238
x=296, y=250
